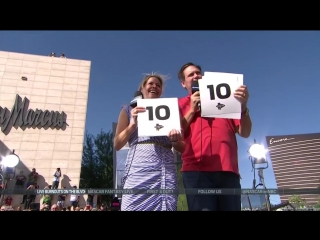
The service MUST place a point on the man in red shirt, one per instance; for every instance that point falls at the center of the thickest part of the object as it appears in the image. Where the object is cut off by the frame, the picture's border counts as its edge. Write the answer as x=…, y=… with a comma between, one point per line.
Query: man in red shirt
x=210, y=159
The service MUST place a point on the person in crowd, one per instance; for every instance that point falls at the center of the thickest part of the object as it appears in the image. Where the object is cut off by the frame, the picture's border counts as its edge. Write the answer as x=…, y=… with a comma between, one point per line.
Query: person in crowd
x=61, y=199
x=56, y=180
x=47, y=198
x=55, y=207
x=74, y=199
x=115, y=204
x=8, y=200
x=29, y=198
x=32, y=178
x=20, y=180
x=90, y=200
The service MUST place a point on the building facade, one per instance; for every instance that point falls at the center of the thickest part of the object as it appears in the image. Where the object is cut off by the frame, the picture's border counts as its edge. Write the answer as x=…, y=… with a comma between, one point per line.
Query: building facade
x=296, y=163
x=43, y=110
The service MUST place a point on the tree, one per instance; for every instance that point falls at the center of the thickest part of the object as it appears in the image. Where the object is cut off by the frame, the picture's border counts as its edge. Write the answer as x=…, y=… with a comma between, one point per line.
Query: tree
x=317, y=204
x=97, y=162
x=297, y=201
x=264, y=205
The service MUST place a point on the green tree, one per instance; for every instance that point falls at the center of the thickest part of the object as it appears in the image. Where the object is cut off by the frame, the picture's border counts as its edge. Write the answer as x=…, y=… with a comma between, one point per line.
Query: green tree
x=264, y=205
x=297, y=201
x=318, y=203
x=97, y=162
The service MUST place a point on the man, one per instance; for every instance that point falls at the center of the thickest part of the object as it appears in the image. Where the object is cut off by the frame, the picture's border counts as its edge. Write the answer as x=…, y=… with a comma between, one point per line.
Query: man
x=74, y=199
x=55, y=207
x=61, y=199
x=30, y=198
x=32, y=181
x=90, y=200
x=20, y=180
x=47, y=198
x=56, y=180
x=44, y=207
x=210, y=159
x=32, y=178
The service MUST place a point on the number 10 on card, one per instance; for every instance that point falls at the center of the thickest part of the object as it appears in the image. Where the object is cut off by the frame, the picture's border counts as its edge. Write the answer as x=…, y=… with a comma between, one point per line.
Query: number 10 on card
x=160, y=117
x=216, y=95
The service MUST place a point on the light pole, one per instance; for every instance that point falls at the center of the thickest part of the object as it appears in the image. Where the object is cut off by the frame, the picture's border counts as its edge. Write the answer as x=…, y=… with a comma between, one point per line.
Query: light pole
x=9, y=161
x=259, y=162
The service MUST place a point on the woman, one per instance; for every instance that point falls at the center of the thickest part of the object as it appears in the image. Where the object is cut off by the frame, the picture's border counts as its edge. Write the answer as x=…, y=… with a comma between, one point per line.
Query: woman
x=150, y=160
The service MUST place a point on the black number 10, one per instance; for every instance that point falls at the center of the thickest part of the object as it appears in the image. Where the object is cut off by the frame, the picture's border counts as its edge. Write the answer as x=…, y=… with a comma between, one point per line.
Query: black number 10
x=218, y=90
x=157, y=112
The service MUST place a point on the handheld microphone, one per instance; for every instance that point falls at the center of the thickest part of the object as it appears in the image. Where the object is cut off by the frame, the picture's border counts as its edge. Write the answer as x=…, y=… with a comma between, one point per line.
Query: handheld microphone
x=137, y=95
x=195, y=88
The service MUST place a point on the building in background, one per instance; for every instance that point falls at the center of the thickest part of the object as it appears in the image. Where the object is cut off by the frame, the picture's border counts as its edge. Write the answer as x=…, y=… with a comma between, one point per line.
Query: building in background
x=296, y=163
x=43, y=111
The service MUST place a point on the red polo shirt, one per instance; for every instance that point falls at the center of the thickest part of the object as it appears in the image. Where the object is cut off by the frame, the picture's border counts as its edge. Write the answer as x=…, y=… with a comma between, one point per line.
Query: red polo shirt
x=211, y=143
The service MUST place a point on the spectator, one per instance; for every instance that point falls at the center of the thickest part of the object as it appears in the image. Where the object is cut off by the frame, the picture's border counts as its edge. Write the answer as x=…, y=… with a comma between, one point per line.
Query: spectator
x=56, y=180
x=61, y=199
x=52, y=54
x=20, y=180
x=74, y=199
x=8, y=200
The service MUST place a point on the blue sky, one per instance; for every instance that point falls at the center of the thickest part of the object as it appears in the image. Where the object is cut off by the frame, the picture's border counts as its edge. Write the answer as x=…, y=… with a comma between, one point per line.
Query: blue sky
x=281, y=70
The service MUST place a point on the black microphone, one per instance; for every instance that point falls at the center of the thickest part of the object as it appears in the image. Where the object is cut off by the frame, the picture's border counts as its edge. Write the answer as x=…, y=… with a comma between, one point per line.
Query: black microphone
x=137, y=95
x=195, y=88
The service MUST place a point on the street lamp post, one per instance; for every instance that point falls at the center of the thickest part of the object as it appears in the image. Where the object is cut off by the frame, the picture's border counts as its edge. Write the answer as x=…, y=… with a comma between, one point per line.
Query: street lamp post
x=9, y=161
x=259, y=162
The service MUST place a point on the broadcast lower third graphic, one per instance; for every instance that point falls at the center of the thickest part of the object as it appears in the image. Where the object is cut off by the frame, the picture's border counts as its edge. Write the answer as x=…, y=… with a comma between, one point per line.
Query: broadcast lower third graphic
x=162, y=191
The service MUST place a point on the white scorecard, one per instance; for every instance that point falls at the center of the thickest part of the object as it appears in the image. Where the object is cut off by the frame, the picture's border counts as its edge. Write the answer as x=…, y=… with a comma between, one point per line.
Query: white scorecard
x=161, y=116
x=217, y=95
